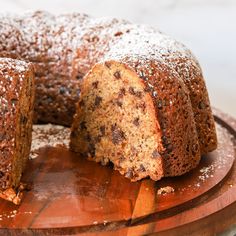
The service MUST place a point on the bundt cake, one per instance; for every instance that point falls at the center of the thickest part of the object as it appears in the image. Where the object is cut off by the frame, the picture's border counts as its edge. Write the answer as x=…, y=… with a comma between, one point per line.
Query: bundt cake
x=16, y=114
x=143, y=104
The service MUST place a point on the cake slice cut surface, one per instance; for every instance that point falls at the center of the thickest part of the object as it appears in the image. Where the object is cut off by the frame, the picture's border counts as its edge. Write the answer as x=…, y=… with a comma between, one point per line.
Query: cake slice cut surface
x=118, y=121
x=16, y=112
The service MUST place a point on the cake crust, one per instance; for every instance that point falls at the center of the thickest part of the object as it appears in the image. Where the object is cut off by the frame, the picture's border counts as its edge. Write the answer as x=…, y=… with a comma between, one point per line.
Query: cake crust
x=16, y=114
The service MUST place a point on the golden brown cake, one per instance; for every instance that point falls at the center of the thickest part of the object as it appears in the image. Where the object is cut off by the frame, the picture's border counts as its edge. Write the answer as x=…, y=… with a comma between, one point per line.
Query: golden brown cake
x=16, y=114
x=145, y=108
x=146, y=89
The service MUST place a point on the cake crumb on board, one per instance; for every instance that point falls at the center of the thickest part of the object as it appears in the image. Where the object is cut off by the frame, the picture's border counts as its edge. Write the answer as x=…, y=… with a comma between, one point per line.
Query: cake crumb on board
x=165, y=190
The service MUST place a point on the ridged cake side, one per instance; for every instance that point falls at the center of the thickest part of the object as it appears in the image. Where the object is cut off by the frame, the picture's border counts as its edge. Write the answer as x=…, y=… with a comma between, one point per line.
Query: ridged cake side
x=144, y=44
x=143, y=128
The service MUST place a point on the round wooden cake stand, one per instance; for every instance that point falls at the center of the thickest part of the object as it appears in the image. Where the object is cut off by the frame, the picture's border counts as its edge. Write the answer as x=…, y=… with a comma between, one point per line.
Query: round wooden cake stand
x=71, y=195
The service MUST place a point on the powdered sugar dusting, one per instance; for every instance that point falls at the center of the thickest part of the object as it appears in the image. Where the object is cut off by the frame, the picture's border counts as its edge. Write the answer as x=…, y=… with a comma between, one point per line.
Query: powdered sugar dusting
x=208, y=171
x=144, y=43
x=12, y=214
x=79, y=41
x=48, y=135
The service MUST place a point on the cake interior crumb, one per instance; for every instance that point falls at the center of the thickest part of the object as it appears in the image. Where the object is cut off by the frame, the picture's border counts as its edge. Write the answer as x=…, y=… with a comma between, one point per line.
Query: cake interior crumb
x=165, y=190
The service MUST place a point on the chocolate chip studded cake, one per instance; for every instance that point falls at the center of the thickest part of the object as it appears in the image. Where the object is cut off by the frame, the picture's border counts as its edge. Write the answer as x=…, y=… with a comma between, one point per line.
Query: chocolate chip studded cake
x=144, y=104
x=140, y=108
x=16, y=112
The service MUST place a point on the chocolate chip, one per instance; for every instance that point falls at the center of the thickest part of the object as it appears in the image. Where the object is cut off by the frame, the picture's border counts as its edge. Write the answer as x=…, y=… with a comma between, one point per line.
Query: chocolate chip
x=91, y=150
x=136, y=121
x=93, y=39
x=131, y=90
x=118, y=33
x=1, y=174
x=135, y=93
x=102, y=129
x=201, y=105
x=138, y=94
x=165, y=140
x=98, y=100
x=187, y=147
x=142, y=76
x=81, y=103
x=2, y=136
x=14, y=101
x=122, y=158
x=117, y=135
x=169, y=148
x=142, y=168
x=117, y=75
x=49, y=100
x=119, y=103
x=121, y=92
x=163, y=123
x=155, y=154
x=23, y=119
x=88, y=137
x=83, y=125
x=4, y=70
x=95, y=84
x=79, y=76
x=129, y=174
x=141, y=106
x=62, y=90
x=108, y=65
x=159, y=104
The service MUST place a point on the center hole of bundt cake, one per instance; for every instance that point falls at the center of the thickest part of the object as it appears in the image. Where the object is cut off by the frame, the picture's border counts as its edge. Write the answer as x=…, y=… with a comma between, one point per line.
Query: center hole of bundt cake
x=116, y=122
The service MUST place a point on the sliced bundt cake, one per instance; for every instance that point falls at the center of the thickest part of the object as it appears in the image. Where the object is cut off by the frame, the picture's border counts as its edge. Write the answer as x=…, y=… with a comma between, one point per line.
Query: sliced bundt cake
x=161, y=89
x=143, y=128
x=16, y=112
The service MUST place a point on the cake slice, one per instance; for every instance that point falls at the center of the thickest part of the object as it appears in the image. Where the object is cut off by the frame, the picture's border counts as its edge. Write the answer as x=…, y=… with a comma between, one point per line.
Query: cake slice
x=16, y=112
x=142, y=124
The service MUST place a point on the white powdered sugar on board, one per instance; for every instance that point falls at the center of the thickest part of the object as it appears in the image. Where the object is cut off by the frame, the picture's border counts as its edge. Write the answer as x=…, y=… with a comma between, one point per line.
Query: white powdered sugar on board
x=12, y=214
x=207, y=172
x=49, y=135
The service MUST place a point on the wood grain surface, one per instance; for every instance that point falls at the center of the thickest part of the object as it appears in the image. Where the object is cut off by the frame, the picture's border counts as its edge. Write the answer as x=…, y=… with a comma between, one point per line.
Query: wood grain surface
x=71, y=195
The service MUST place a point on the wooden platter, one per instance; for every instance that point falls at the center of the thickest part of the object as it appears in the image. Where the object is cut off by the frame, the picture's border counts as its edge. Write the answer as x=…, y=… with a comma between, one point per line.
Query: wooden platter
x=71, y=195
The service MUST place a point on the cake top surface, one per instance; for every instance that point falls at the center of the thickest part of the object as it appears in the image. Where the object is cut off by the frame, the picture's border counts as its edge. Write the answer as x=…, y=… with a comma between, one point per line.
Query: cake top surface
x=12, y=73
x=8, y=64
x=79, y=41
